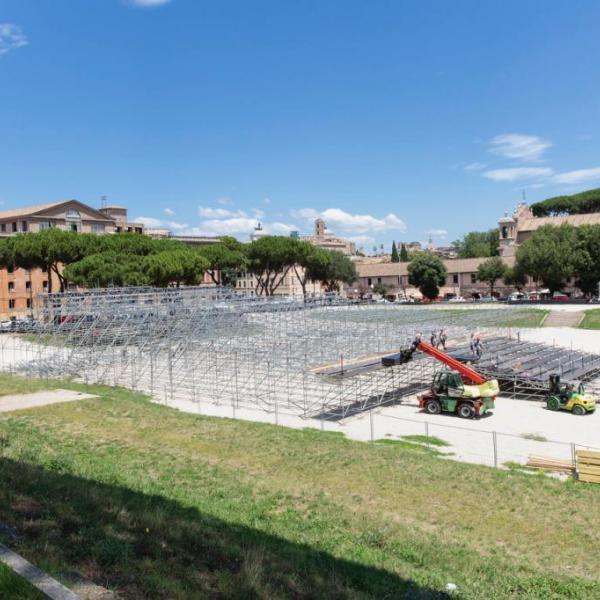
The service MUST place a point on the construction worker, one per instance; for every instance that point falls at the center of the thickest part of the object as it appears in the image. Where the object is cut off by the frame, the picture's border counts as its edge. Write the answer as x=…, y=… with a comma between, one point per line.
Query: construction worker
x=416, y=341
x=478, y=346
x=433, y=339
x=442, y=338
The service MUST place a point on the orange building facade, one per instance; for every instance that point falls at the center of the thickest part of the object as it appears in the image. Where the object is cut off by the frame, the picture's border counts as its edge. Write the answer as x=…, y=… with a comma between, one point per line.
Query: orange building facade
x=19, y=288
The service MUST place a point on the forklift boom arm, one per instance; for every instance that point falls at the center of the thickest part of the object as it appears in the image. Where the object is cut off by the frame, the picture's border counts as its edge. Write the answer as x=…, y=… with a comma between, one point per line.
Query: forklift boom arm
x=463, y=369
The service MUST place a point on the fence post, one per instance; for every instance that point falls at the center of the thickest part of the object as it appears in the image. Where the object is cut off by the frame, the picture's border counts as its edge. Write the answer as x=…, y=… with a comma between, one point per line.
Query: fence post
x=152, y=374
x=372, y=423
x=276, y=411
x=574, y=459
x=495, y=441
x=322, y=417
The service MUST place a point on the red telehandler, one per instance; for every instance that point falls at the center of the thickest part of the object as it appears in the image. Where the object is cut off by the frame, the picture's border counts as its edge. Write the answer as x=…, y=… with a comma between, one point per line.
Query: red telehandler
x=462, y=391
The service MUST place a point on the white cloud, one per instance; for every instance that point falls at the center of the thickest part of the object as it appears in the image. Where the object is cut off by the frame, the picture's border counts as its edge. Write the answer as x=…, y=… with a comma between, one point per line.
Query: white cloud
x=579, y=176
x=531, y=186
x=150, y=221
x=518, y=173
x=240, y=226
x=176, y=226
x=146, y=3
x=11, y=37
x=475, y=166
x=518, y=146
x=362, y=240
x=224, y=200
x=168, y=212
x=208, y=212
x=266, y=200
x=352, y=223
x=439, y=233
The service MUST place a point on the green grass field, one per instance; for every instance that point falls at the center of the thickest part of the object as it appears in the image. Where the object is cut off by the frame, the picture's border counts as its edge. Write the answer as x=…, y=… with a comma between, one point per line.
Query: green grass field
x=13, y=587
x=591, y=319
x=156, y=503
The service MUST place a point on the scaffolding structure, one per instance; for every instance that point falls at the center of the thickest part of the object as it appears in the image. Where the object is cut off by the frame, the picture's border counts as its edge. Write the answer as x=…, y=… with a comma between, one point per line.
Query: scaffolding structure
x=320, y=357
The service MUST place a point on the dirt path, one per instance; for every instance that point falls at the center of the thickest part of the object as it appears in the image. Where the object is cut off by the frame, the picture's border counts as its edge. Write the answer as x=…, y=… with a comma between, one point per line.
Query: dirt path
x=21, y=401
x=562, y=318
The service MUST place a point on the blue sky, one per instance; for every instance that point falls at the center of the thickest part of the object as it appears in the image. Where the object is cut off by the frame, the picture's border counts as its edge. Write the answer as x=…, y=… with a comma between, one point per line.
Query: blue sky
x=392, y=119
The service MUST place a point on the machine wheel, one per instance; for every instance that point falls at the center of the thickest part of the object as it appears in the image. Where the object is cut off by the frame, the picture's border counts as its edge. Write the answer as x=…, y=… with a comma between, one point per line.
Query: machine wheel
x=578, y=410
x=466, y=411
x=553, y=403
x=433, y=407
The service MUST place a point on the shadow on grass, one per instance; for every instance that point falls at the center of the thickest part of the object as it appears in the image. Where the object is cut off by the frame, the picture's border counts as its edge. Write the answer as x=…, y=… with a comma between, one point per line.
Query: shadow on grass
x=147, y=546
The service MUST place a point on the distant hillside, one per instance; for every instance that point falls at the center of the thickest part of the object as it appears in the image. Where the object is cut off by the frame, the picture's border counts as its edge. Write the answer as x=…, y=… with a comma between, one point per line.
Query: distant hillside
x=577, y=204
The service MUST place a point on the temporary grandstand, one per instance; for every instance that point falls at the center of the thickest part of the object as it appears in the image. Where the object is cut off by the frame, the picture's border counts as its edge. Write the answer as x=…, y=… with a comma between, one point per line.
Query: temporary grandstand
x=320, y=357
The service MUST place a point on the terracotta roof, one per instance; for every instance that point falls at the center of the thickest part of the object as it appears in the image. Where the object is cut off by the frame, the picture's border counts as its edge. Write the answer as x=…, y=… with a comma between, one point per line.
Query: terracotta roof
x=576, y=220
x=453, y=265
x=28, y=210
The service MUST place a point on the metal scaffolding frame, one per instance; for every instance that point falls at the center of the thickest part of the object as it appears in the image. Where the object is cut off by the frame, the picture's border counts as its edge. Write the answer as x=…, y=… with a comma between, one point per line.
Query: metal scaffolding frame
x=320, y=357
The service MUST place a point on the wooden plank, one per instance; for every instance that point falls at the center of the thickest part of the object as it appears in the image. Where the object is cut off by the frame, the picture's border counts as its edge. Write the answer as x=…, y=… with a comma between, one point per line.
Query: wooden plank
x=589, y=470
x=588, y=461
x=589, y=464
x=589, y=478
x=588, y=454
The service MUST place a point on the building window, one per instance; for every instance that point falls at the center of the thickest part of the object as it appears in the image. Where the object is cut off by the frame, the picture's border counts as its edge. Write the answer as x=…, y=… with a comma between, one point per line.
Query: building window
x=28, y=302
x=45, y=285
x=455, y=278
x=11, y=303
x=73, y=220
x=369, y=281
x=138, y=230
x=28, y=285
x=3, y=227
x=24, y=226
x=11, y=286
x=46, y=225
x=97, y=228
x=14, y=227
x=473, y=277
x=379, y=280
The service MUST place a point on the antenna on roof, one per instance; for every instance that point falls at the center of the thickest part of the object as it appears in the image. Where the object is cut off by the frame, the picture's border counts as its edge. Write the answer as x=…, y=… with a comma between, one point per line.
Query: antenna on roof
x=103, y=201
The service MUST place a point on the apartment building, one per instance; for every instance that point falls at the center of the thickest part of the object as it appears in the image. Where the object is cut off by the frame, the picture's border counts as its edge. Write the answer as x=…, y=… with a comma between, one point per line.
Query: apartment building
x=19, y=287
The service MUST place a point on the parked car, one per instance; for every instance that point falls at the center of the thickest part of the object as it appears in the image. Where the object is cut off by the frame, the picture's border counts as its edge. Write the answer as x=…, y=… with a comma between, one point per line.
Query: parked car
x=6, y=325
x=456, y=299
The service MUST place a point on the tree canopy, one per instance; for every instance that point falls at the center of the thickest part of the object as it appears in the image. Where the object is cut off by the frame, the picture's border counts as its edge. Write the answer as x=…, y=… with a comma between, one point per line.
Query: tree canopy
x=515, y=277
x=575, y=204
x=224, y=260
x=340, y=269
x=132, y=259
x=395, y=255
x=551, y=256
x=477, y=244
x=427, y=272
x=491, y=270
x=403, y=253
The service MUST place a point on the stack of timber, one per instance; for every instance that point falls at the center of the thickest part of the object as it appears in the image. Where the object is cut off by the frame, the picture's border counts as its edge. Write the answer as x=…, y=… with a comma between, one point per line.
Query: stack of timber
x=550, y=464
x=588, y=466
